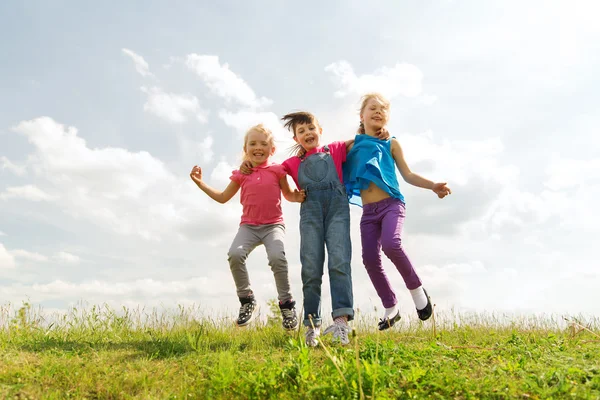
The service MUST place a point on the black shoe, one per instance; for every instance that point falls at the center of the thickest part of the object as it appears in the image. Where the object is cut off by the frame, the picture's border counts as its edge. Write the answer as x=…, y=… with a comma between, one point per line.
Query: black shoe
x=425, y=313
x=248, y=310
x=288, y=313
x=386, y=323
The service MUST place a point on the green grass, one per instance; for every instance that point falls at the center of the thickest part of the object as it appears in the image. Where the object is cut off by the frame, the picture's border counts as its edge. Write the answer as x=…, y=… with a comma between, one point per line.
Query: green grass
x=100, y=353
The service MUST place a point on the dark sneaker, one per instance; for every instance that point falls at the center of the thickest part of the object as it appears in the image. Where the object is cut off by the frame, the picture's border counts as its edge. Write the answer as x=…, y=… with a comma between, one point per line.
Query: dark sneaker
x=288, y=313
x=248, y=310
x=386, y=323
x=425, y=313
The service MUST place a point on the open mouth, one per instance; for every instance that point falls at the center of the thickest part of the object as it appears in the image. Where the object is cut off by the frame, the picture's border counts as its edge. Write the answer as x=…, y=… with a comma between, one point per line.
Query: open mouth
x=309, y=140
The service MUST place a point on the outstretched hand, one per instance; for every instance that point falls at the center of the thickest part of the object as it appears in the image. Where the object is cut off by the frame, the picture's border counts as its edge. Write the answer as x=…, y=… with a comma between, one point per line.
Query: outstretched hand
x=441, y=190
x=196, y=174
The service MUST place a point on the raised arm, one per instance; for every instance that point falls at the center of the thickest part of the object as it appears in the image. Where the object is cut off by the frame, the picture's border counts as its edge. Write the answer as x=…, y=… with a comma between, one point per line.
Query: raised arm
x=221, y=197
x=414, y=179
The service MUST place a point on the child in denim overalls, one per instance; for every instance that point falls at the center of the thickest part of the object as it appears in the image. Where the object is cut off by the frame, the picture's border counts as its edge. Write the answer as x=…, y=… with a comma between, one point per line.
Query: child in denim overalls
x=324, y=222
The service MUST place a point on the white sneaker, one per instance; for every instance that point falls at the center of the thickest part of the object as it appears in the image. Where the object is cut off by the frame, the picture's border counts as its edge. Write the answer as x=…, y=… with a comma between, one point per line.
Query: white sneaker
x=340, y=332
x=312, y=336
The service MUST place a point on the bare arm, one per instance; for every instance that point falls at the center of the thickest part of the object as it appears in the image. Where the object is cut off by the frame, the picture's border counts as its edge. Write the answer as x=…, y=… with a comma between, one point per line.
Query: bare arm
x=292, y=196
x=407, y=174
x=221, y=197
x=349, y=145
x=438, y=188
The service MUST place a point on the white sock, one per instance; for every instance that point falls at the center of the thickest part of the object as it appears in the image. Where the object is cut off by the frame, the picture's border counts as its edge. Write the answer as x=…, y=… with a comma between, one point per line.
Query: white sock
x=419, y=297
x=390, y=312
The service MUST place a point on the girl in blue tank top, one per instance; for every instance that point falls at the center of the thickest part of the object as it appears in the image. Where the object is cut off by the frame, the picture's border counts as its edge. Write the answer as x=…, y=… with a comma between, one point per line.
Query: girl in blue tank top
x=371, y=182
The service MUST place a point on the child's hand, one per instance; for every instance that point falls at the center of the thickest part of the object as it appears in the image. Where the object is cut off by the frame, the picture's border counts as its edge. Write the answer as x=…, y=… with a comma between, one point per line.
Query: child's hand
x=196, y=174
x=441, y=190
x=299, y=196
x=383, y=134
x=246, y=168
x=301, y=152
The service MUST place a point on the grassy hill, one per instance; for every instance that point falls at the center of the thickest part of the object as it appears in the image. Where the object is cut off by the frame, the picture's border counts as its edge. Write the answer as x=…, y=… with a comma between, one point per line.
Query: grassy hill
x=101, y=353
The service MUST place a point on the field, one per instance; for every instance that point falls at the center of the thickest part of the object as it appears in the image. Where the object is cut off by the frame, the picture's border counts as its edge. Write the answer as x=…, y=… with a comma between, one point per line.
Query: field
x=101, y=353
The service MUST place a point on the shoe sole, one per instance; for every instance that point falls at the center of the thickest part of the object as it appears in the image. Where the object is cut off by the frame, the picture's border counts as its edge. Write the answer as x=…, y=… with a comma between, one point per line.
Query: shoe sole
x=428, y=304
x=391, y=322
x=252, y=317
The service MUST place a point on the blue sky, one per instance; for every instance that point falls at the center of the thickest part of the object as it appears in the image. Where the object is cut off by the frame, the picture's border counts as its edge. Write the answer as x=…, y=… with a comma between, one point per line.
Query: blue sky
x=104, y=109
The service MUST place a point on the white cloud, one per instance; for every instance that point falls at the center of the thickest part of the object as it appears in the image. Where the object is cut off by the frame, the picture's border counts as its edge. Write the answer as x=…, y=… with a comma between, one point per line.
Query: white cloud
x=2, y=233
x=241, y=121
x=206, y=149
x=27, y=192
x=7, y=260
x=15, y=169
x=568, y=173
x=103, y=289
x=29, y=255
x=111, y=187
x=402, y=79
x=173, y=107
x=67, y=258
x=222, y=172
x=224, y=82
x=141, y=66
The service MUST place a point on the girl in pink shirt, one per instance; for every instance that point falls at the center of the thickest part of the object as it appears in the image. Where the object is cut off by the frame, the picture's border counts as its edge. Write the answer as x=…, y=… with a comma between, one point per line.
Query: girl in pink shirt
x=262, y=222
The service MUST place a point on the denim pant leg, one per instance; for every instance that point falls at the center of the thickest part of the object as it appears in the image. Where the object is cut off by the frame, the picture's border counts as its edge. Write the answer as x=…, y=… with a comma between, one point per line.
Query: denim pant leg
x=339, y=254
x=312, y=257
x=391, y=243
x=370, y=235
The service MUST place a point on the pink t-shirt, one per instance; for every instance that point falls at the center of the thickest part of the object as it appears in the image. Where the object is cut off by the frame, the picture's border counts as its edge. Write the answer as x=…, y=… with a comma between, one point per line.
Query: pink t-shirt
x=261, y=194
x=337, y=151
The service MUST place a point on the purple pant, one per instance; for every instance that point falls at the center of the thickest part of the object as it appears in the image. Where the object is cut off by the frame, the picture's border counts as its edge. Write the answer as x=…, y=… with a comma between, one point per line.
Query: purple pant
x=380, y=229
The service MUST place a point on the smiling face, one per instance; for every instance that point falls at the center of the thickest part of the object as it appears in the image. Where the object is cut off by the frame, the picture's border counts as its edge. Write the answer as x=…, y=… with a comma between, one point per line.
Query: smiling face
x=258, y=147
x=374, y=113
x=308, y=135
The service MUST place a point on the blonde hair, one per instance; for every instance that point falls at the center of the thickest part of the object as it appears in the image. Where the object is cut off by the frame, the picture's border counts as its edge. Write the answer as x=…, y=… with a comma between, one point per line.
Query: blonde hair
x=364, y=100
x=261, y=129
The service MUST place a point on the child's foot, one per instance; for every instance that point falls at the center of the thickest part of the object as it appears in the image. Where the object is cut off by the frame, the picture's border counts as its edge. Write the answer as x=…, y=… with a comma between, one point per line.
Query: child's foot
x=312, y=336
x=426, y=312
x=248, y=310
x=288, y=313
x=388, y=321
x=340, y=330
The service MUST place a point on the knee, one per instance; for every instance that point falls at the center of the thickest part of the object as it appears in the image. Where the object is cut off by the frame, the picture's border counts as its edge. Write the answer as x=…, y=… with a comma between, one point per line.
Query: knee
x=391, y=245
x=236, y=256
x=311, y=279
x=371, y=258
x=277, y=261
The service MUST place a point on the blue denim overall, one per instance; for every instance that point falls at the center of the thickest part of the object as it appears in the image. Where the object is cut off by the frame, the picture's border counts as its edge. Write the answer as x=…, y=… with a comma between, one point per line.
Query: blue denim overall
x=324, y=220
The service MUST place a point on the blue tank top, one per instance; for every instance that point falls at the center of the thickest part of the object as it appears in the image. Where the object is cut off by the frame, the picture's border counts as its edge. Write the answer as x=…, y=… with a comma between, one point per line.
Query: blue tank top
x=370, y=160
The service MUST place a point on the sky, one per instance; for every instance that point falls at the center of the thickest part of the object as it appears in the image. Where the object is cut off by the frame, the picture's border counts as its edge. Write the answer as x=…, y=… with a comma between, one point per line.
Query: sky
x=106, y=107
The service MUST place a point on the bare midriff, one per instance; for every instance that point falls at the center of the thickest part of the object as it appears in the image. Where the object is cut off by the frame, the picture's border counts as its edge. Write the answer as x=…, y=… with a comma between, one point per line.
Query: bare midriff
x=373, y=194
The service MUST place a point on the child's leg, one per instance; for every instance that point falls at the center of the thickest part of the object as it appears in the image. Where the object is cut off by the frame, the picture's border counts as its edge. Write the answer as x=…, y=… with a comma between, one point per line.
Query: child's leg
x=245, y=241
x=370, y=235
x=391, y=243
x=312, y=257
x=339, y=255
x=273, y=237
